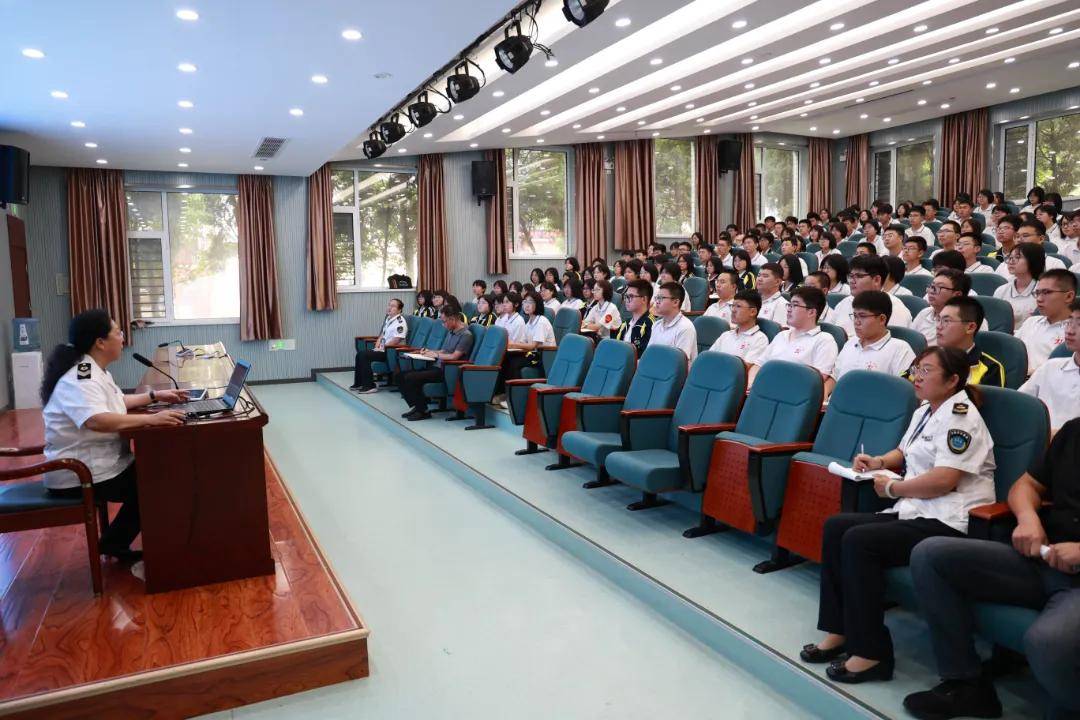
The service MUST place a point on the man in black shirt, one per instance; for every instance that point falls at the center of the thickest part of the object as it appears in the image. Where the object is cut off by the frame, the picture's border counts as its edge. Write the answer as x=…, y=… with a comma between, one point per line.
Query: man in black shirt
x=1040, y=570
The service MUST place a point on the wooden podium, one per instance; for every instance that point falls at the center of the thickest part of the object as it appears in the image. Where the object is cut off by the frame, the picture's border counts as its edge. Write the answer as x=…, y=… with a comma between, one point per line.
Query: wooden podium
x=202, y=486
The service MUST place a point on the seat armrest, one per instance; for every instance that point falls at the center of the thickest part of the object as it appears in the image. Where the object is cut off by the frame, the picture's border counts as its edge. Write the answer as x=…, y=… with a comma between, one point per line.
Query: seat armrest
x=367, y=337
x=990, y=513
x=991, y=522
x=706, y=428
x=455, y=362
x=524, y=381
x=558, y=390
x=597, y=400
x=656, y=412
x=545, y=348
x=780, y=448
x=21, y=451
x=75, y=466
x=470, y=368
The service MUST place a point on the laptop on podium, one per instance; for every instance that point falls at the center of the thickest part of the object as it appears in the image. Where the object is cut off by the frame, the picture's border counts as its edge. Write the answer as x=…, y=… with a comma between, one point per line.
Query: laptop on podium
x=201, y=408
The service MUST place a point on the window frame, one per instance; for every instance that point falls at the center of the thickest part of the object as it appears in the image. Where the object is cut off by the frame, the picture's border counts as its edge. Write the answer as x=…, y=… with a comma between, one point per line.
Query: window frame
x=801, y=181
x=891, y=149
x=354, y=211
x=1031, y=123
x=512, y=187
x=166, y=255
x=693, y=193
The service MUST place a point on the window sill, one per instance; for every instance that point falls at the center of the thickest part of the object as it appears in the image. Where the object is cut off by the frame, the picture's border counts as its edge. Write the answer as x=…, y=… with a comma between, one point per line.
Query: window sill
x=538, y=257
x=356, y=289
x=183, y=323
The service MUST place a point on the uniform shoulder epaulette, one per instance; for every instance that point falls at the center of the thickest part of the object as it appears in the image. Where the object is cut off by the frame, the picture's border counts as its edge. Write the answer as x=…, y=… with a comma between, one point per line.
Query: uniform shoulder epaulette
x=960, y=408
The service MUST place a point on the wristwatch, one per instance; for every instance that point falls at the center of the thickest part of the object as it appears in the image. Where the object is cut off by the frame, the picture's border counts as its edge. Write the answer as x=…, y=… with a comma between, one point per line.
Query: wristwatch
x=153, y=396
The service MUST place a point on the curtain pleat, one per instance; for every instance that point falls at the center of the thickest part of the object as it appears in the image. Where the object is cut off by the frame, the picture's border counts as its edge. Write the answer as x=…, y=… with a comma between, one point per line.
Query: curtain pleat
x=820, y=173
x=635, y=223
x=590, y=222
x=321, y=275
x=432, y=272
x=963, y=153
x=497, y=241
x=857, y=172
x=706, y=175
x=745, y=208
x=260, y=312
x=97, y=244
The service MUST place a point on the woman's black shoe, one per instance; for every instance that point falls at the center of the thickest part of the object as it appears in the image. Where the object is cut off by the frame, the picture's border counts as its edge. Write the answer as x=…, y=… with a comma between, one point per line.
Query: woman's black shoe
x=882, y=671
x=813, y=654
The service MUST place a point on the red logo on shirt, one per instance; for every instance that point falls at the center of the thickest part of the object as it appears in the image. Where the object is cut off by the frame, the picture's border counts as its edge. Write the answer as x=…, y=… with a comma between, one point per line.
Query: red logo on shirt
x=607, y=318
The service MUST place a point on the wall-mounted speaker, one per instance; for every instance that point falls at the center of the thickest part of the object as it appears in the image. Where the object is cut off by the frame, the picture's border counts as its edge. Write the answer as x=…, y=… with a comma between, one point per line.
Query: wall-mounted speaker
x=727, y=155
x=483, y=178
x=14, y=175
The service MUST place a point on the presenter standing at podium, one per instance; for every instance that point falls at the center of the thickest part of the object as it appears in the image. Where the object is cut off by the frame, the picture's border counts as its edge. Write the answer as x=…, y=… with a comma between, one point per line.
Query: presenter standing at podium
x=84, y=412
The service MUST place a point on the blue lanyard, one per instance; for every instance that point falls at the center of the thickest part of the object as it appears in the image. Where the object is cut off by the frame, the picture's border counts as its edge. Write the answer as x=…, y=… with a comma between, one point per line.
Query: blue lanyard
x=919, y=427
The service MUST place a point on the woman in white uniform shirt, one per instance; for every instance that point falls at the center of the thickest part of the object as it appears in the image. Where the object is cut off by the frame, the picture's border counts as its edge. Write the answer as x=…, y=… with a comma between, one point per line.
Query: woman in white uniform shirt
x=948, y=462
x=1026, y=263
x=603, y=317
x=84, y=412
x=536, y=333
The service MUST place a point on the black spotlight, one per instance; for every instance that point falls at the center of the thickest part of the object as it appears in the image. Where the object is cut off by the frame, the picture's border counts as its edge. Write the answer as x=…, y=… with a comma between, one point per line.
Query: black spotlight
x=583, y=12
x=374, y=146
x=462, y=86
x=422, y=112
x=391, y=130
x=514, y=50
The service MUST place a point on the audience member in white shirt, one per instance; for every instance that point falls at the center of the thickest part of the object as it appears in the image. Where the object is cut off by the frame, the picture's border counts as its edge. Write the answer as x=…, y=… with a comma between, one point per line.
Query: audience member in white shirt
x=573, y=295
x=1057, y=381
x=984, y=205
x=603, y=317
x=745, y=339
x=789, y=246
x=969, y=246
x=507, y=306
x=914, y=250
x=749, y=244
x=1005, y=234
x=896, y=273
x=873, y=347
x=671, y=327
x=670, y=273
x=547, y=292
x=726, y=287
x=1036, y=196
x=820, y=281
x=872, y=235
x=947, y=284
x=723, y=250
x=1069, y=246
x=836, y=267
x=1047, y=215
x=918, y=229
x=804, y=341
x=893, y=240
x=773, y=304
x=869, y=272
x=1031, y=232
x=947, y=235
x=1026, y=263
x=1054, y=293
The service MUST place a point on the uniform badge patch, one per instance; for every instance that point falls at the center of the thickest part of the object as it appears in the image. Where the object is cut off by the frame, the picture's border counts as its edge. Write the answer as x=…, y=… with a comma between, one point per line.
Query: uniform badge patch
x=83, y=371
x=960, y=409
x=959, y=441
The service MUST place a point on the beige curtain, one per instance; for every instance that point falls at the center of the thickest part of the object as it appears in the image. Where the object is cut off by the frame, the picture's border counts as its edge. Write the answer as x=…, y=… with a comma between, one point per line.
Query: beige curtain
x=857, y=173
x=708, y=192
x=321, y=276
x=97, y=244
x=497, y=241
x=635, y=222
x=820, y=173
x=590, y=216
x=260, y=312
x=963, y=153
x=432, y=272
x=745, y=210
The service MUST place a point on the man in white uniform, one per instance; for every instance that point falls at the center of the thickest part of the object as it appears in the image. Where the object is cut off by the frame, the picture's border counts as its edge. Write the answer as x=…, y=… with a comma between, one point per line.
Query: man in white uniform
x=1032, y=232
x=804, y=341
x=918, y=229
x=773, y=304
x=868, y=273
x=1042, y=333
x=394, y=330
x=873, y=347
x=1057, y=381
x=726, y=286
x=745, y=339
x=671, y=326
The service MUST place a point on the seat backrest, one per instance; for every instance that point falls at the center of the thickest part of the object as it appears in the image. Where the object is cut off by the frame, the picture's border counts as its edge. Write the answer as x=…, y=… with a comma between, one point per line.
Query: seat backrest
x=709, y=328
x=571, y=361
x=986, y=283
x=713, y=392
x=913, y=303
x=811, y=261
x=867, y=409
x=567, y=321
x=423, y=330
x=412, y=324
x=1062, y=258
x=436, y=337
x=1050, y=247
x=469, y=309
x=550, y=315
x=698, y=290
x=784, y=402
x=612, y=367
x=813, y=248
x=999, y=313
x=934, y=225
x=492, y=348
x=917, y=284
x=837, y=333
x=988, y=241
x=658, y=379
x=834, y=299
x=1020, y=427
x=770, y=328
x=1007, y=350
x=699, y=270
x=618, y=283
x=477, y=340
x=915, y=339
x=847, y=248
x=1059, y=351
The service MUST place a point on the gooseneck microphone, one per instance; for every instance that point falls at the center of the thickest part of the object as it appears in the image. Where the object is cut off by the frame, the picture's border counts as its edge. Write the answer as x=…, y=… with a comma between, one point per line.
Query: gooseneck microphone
x=178, y=342
x=147, y=363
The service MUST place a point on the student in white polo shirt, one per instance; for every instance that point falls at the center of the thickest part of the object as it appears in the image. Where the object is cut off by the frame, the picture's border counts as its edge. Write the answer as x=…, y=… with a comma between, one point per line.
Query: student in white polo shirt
x=1031, y=232
x=726, y=287
x=671, y=327
x=1026, y=263
x=773, y=304
x=918, y=229
x=969, y=246
x=1070, y=240
x=868, y=272
x=745, y=339
x=1041, y=333
x=947, y=284
x=914, y=250
x=749, y=244
x=603, y=317
x=873, y=347
x=804, y=341
x=1057, y=381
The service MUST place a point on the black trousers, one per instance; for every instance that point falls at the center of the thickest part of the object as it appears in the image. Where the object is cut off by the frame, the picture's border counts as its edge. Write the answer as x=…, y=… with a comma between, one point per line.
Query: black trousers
x=362, y=373
x=856, y=550
x=512, y=366
x=123, y=489
x=412, y=385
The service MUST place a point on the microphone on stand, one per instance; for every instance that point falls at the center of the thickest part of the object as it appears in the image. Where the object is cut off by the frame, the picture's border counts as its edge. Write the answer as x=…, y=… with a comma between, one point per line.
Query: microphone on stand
x=142, y=359
x=183, y=350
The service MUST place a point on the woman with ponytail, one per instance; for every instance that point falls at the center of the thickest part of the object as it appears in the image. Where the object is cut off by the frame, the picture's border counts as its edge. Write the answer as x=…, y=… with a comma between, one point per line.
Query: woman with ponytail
x=84, y=412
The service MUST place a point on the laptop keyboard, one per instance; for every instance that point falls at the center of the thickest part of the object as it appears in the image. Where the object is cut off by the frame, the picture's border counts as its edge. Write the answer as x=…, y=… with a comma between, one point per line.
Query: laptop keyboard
x=205, y=405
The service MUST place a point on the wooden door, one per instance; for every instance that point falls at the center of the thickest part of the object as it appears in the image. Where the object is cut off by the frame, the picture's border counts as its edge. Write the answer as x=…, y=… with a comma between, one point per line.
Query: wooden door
x=20, y=268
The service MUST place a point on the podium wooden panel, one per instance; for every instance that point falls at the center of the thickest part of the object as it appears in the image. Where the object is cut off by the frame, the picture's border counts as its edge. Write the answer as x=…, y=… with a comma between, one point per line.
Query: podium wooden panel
x=202, y=490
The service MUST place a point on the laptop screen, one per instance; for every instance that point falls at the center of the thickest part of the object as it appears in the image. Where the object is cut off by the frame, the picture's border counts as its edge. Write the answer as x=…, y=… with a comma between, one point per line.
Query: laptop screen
x=236, y=382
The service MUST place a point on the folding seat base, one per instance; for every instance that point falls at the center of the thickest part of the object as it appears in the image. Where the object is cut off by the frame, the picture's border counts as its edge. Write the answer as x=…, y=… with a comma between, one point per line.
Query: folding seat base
x=707, y=526
x=564, y=463
x=530, y=448
x=602, y=480
x=648, y=500
x=780, y=559
x=458, y=415
x=480, y=417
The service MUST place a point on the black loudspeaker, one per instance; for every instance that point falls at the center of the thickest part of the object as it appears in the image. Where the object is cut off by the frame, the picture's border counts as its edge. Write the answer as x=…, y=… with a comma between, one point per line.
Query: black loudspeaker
x=14, y=175
x=483, y=178
x=727, y=155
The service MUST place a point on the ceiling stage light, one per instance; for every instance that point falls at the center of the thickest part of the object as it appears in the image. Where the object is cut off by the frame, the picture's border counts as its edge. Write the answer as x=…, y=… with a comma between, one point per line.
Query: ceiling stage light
x=514, y=50
x=392, y=130
x=462, y=86
x=583, y=12
x=374, y=146
x=422, y=112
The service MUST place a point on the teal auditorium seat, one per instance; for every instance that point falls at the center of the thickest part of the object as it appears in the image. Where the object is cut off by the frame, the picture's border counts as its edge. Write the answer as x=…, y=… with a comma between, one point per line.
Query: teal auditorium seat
x=469, y=309
x=813, y=248
x=837, y=334
x=770, y=328
x=988, y=261
x=618, y=284
x=709, y=328
x=698, y=290
x=868, y=412
x=1060, y=351
x=915, y=339
x=434, y=341
x=811, y=261
x=986, y=283
x=1020, y=427
x=440, y=391
x=999, y=313
x=668, y=450
x=934, y=225
x=1009, y=351
x=367, y=342
x=1050, y=248
x=415, y=340
x=478, y=379
x=656, y=384
x=917, y=284
x=524, y=396
x=914, y=304
x=834, y=299
x=609, y=374
x=567, y=322
x=847, y=248
x=749, y=467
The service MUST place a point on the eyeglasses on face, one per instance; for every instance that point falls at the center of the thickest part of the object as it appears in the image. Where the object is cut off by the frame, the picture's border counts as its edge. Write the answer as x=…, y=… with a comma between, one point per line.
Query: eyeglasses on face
x=921, y=371
x=858, y=275
x=935, y=288
x=1045, y=292
x=861, y=317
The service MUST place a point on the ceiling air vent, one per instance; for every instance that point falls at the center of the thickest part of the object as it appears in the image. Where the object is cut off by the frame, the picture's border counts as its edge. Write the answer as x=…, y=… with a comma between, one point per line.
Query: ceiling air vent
x=269, y=148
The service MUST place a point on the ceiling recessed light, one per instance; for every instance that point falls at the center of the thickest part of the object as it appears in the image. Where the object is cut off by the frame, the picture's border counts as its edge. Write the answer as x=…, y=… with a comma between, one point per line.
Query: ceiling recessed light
x=427, y=135
x=707, y=131
x=351, y=34
x=807, y=102
x=540, y=141
x=656, y=61
x=911, y=139
x=888, y=119
x=824, y=61
x=599, y=137
x=813, y=128
x=1009, y=60
x=185, y=150
x=90, y=144
x=747, y=61
x=622, y=22
x=748, y=86
x=874, y=83
x=919, y=28
x=1014, y=90
x=185, y=131
x=640, y=122
x=459, y=116
x=815, y=84
x=675, y=88
x=1025, y=117
x=1073, y=65
x=927, y=82
x=863, y=116
x=739, y=24
x=991, y=85
x=402, y=150
x=836, y=26
x=33, y=53
x=296, y=112
x=78, y=124
x=577, y=126
x=320, y=79
x=944, y=106
x=892, y=142
x=953, y=61
x=545, y=113
x=656, y=134
x=506, y=130
x=752, y=103
x=258, y=167
x=921, y=102
x=181, y=165
x=621, y=108
x=753, y=117
x=991, y=31
x=860, y=100
x=189, y=15
x=497, y=93
x=699, y=120
x=755, y=127
x=688, y=106
x=594, y=90
x=186, y=104
x=102, y=161
x=803, y=114
x=893, y=61
x=59, y=94
x=473, y=145
x=186, y=67
x=782, y=143
x=551, y=62
x=835, y=132
x=1055, y=31
x=378, y=164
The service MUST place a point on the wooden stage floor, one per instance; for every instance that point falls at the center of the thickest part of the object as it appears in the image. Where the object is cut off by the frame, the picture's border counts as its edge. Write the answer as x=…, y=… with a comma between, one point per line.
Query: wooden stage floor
x=66, y=654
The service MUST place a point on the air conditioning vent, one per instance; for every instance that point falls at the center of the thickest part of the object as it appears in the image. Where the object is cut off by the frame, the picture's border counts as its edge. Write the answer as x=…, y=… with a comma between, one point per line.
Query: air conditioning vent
x=851, y=106
x=269, y=147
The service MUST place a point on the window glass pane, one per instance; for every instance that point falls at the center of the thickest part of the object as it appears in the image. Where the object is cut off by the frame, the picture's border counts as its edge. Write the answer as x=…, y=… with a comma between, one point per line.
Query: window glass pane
x=674, y=187
x=203, y=256
x=1016, y=153
x=147, y=276
x=344, y=249
x=541, y=202
x=388, y=226
x=883, y=176
x=343, y=187
x=779, y=182
x=144, y=211
x=915, y=172
x=1057, y=155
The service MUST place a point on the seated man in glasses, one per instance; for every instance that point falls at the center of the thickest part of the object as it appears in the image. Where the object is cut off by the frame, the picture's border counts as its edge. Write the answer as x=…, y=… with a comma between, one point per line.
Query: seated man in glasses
x=873, y=347
x=956, y=326
x=638, y=329
x=948, y=283
x=1057, y=381
x=804, y=341
x=1042, y=333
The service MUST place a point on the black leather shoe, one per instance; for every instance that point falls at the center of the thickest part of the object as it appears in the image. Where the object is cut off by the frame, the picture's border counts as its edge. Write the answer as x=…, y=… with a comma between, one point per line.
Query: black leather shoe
x=882, y=671
x=813, y=654
x=408, y=412
x=419, y=415
x=121, y=554
x=955, y=698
